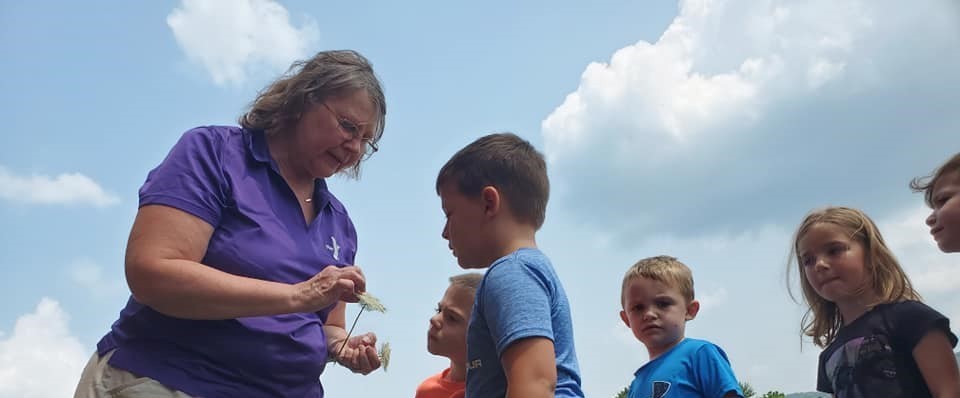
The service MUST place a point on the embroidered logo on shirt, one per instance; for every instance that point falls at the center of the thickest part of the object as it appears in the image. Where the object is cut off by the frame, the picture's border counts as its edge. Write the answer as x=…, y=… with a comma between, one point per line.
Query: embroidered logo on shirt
x=660, y=389
x=475, y=364
x=335, y=249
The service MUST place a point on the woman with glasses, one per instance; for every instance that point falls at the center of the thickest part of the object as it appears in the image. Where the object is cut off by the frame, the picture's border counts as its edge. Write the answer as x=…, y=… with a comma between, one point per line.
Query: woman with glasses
x=240, y=258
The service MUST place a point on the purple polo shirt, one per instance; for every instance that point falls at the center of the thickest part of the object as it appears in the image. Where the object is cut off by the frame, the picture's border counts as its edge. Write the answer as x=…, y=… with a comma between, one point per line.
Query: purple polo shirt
x=226, y=177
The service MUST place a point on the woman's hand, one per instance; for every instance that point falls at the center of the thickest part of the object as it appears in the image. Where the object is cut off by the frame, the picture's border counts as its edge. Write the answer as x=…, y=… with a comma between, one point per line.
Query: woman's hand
x=328, y=287
x=359, y=353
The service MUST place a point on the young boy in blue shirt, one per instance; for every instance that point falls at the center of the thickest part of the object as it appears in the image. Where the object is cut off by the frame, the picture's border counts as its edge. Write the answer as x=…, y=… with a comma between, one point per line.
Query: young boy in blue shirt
x=657, y=298
x=494, y=194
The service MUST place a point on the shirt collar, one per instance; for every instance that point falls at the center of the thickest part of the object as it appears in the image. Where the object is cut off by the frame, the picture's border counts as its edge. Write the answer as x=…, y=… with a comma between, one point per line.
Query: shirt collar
x=256, y=141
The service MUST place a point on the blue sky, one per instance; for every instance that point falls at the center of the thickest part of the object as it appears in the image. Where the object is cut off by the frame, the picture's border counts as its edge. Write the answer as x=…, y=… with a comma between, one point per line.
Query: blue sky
x=702, y=129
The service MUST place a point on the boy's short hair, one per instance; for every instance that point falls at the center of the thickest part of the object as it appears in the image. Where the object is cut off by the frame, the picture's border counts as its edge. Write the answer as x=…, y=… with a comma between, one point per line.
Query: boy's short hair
x=927, y=183
x=664, y=269
x=470, y=280
x=507, y=162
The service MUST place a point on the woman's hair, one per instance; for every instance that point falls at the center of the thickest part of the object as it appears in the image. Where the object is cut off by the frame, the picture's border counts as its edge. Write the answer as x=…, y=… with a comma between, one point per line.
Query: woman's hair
x=278, y=107
x=886, y=278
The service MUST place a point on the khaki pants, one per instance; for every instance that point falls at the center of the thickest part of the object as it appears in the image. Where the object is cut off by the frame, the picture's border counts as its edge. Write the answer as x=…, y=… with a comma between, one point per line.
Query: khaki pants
x=100, y=380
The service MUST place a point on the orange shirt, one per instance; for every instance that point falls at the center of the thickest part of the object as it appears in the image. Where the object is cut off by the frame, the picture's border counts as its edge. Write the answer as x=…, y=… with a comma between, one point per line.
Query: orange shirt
x=437, y=387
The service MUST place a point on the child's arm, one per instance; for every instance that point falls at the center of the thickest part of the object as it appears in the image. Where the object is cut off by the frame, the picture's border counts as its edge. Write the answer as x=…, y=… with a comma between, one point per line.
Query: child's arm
x=530, y=367
x=934, y=356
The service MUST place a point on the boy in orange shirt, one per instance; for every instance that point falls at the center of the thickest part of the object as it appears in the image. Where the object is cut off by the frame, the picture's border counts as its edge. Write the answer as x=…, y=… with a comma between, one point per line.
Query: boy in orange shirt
x=447, y=337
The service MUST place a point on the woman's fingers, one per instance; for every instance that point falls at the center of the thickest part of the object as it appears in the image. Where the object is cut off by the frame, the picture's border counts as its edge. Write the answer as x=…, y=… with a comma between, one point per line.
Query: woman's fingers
x=330, y=285
x=355, y=275
x=360, y=355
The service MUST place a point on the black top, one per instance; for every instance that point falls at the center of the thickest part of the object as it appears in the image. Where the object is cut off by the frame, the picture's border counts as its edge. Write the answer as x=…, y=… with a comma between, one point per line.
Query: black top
x=873, y=356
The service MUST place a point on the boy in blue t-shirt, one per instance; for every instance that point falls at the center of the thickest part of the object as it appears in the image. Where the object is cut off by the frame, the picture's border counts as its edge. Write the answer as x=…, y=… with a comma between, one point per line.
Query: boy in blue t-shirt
x=657, y=299
x=520, y=339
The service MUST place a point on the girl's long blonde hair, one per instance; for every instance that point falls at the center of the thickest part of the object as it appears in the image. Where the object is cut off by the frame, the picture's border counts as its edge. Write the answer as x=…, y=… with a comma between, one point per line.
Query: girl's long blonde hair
x=886, y=278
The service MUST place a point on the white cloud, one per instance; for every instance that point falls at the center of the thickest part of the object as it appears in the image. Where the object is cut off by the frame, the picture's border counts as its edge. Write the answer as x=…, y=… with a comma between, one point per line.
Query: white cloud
x=930, y=270
x=41, y=358
x=625, y=336
x=67, y=188
x=710, y=299
x=744, y=113
x=90, y=276
x=231, y=39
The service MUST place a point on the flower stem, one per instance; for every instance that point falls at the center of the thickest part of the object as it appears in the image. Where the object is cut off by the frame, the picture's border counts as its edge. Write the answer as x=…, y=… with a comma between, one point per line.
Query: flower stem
x=342, y=346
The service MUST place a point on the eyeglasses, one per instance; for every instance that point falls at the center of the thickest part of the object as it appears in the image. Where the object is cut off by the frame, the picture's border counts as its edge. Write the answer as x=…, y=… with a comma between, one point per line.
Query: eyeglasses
x=353, y=130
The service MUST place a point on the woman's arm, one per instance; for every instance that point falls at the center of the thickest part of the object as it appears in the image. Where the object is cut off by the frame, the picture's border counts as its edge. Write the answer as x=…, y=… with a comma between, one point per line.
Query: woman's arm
x=164, y=272
x=530, y=365
x=360, y=353
x=935, y=358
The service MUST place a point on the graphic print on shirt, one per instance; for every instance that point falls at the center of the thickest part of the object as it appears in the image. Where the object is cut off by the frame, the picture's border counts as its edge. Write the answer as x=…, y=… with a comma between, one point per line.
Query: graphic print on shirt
x=864, y=367
x=335, y=248
x=660, y=389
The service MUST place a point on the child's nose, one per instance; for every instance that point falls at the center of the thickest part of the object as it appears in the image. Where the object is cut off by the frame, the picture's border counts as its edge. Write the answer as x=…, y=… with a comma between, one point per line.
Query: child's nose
x=932, y=218
x=820, y=263
x=435, y=321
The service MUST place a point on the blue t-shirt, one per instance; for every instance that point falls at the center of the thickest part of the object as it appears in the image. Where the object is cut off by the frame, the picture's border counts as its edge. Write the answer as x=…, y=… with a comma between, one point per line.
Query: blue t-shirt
x=694, y=368
x=520, y=296
x=226, y=177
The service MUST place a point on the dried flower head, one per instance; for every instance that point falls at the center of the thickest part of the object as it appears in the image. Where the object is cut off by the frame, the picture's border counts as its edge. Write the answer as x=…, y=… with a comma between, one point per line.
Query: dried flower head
x=371, y=303
x=384, y=355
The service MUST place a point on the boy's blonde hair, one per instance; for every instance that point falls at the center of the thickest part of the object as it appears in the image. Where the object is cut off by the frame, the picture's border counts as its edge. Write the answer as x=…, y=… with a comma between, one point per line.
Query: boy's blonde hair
x=664, y=269
x=469, y=280
x=926, y=184
x=887, y=279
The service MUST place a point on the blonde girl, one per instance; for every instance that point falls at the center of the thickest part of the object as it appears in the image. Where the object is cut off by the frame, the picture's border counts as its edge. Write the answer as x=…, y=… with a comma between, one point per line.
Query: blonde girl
x=879, y=339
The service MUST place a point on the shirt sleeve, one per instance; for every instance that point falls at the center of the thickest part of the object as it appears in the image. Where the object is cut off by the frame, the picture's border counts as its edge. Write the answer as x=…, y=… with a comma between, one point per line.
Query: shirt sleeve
x=517, y=302
x=190, y=177
x=823, y=382
x=912, y=320
x=714, y=373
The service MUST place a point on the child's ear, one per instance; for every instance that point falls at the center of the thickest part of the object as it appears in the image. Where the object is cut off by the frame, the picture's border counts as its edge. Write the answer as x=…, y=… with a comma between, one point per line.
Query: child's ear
x=623, y=316
x=692, y=309
x=492, y=201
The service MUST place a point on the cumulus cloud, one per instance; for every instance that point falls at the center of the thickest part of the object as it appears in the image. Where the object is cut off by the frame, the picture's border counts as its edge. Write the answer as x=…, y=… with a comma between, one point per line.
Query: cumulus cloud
x=931, y=271
x=745, y=113
x=90, y=276
x=231, y=39
x=712, y=298
x=41, y=358
x=66, y=188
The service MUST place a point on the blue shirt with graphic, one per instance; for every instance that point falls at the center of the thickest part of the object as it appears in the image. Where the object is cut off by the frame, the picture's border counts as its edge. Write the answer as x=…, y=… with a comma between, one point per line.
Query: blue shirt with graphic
x=694, y=368
x=520, y=297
